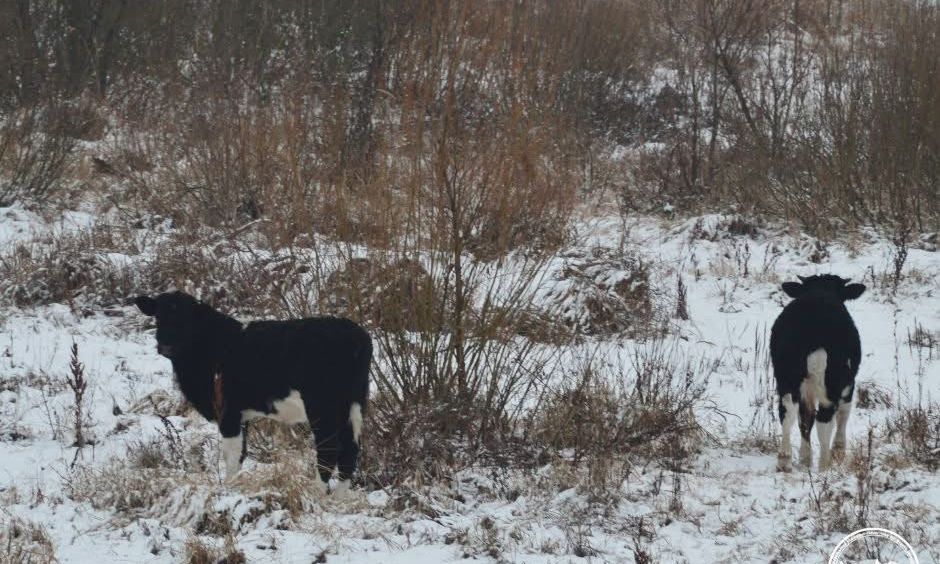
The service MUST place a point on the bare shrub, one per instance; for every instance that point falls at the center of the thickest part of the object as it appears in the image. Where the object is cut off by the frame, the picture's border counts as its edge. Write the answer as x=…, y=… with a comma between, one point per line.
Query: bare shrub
x=797, y=110
x=427, y=446
x=227, y=271
x=918, y=431
x=641, y=550
x=394, y=297
x=35, y=148
x=22, y=542
x=652, y=410
x=166, y=450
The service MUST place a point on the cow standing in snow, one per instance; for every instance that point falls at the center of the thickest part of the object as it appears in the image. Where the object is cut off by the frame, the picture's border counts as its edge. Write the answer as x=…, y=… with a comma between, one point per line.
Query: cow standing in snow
x=815, y=350
x=314, y=370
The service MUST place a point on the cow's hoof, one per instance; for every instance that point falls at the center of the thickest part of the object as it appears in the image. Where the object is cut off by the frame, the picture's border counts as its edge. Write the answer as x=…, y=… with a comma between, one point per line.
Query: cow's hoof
x=806, y=457
x=784, y=463
x=838, y=451
x=341, y=489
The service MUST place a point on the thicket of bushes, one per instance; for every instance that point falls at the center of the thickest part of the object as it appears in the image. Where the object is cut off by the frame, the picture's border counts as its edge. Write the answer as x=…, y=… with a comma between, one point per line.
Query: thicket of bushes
x=326, y=115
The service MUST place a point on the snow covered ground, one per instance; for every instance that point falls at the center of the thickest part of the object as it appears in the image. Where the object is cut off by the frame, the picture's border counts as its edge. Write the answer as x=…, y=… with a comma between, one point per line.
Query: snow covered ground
x=727, y=505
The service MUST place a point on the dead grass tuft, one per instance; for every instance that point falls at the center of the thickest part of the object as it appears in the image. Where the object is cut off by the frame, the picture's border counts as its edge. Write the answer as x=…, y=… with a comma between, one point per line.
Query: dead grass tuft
x=917, y=429
x=603, y=293
x=648, y=412
x=200, y=551
x=23, y=542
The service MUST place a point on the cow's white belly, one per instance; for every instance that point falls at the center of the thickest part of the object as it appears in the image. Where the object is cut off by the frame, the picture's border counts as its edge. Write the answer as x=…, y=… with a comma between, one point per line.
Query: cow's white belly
x=289, y=410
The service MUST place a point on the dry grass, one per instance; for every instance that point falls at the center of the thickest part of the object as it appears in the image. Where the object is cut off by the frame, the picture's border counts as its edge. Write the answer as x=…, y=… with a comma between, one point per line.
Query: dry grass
x=648, y=413
x=175, y=476
x=68, y=268
x=803, y=111
x=917, y=430
x=22, y=542
x=199, y=551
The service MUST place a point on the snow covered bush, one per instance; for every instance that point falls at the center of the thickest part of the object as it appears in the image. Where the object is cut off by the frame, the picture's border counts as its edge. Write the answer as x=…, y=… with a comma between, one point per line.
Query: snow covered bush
x=87, y=269
x=23, y=542
x=602, y=292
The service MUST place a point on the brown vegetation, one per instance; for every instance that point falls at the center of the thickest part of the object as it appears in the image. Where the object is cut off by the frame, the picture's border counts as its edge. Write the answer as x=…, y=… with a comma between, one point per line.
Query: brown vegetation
x=414, y=165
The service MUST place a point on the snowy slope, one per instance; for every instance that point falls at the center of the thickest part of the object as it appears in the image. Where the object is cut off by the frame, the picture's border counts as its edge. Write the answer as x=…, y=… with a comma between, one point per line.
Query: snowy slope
x=728, y=505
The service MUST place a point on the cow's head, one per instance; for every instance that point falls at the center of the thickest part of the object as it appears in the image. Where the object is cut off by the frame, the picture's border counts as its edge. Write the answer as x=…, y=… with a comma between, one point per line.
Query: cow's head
x=826, y=284
x=179, y=318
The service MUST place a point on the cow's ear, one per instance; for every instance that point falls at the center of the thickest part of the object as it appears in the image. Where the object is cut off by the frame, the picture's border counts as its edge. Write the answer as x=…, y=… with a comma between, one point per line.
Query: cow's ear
x=853, y=291
x=793, y=289
x=146, y=304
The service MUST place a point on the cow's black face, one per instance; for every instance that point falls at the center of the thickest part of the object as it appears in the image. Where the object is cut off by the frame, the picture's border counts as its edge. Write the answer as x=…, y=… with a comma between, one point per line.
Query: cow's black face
x=829, y=284
x=177, y=316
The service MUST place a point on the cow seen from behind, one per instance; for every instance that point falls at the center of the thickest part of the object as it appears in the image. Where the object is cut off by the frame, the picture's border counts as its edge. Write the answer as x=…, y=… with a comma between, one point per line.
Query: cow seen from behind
x=816, y=351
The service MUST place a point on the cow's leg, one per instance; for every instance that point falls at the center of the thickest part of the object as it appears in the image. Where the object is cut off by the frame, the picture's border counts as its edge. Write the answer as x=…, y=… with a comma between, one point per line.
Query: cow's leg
x=842, y=419
x=327, y=453
x=807, y=417
x=788, y=414
x=824, y=431
x=327, y=445
x=244, y=454
x=232, y=444
x=349, y=447
x=812, y=391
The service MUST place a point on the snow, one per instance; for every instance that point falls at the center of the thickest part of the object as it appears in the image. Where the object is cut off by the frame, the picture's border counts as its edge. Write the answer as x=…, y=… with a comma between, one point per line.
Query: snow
x=727, y=505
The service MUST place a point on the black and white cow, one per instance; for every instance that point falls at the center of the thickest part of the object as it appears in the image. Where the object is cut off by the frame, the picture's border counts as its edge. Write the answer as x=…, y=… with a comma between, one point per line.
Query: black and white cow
x=314, y=369
x=815, y=350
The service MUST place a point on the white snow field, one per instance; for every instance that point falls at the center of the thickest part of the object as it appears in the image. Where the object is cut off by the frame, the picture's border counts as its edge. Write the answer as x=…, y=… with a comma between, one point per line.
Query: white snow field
x=106, y=503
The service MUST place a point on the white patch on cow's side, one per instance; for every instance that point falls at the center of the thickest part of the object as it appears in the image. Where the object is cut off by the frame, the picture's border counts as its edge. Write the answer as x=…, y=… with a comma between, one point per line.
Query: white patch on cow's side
x=824, y=432
x=355, y=419
x=231, y=455
x=842, y=419
x=816, y=377
x=288, y=410
x=789, y=419
x=846, y=392
x=848, y=363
